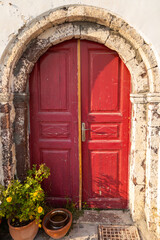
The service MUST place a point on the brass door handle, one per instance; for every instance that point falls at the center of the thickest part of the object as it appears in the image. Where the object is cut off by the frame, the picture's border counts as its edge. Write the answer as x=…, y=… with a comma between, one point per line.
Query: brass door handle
x=94, y=131
x=84, y=132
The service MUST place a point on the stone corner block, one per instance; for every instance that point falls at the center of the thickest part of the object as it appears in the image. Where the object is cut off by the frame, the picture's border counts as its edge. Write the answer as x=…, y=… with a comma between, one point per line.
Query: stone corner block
x=131, y=35
x=148, y=56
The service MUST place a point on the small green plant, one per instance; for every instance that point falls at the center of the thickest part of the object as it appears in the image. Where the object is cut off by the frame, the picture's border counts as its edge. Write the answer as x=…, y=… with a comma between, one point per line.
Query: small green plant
x=73, y=208
x=85, y=206
x=24, y=201
x=1, y=192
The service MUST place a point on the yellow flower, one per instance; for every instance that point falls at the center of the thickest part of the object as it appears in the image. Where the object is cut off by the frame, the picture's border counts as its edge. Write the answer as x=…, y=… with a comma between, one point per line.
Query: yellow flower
x=40, y=209
x=39, y=225
x=9, y=199
x=35, y=194
x=31, y=217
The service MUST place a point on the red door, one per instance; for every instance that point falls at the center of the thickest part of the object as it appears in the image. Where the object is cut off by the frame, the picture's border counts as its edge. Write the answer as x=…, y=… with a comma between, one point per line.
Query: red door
x=53, y=118
x=105, y=112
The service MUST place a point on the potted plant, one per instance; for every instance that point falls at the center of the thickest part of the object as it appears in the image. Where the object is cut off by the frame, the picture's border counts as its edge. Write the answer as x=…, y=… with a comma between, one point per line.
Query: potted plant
x=22, y=204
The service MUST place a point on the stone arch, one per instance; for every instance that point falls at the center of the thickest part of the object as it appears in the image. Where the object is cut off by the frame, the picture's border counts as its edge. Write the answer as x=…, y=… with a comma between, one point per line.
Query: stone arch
x=98, y=25
x=120, y=34
x=83, y=30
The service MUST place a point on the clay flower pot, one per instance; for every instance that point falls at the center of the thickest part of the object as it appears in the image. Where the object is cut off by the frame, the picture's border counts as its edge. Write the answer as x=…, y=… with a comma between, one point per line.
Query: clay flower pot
x=27, y=232
x=53, y=231
x=58, y=219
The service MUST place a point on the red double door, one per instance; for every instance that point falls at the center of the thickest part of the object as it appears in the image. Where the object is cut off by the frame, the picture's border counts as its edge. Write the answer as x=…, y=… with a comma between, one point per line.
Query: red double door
x=54, y=116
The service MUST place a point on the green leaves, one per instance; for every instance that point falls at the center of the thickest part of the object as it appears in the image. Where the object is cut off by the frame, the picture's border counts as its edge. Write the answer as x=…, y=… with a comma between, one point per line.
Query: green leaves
x=21, y=200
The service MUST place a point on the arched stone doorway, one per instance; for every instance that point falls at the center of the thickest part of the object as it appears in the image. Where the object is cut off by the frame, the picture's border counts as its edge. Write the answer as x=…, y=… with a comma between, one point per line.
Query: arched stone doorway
x=98, y=25
x=79, y=124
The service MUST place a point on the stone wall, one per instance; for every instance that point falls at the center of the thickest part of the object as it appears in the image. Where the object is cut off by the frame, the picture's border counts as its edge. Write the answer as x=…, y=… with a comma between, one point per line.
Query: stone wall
x=95, y=24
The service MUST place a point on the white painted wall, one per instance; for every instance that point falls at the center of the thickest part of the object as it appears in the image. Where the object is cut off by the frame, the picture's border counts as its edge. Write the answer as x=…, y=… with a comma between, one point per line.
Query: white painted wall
x=143, y=15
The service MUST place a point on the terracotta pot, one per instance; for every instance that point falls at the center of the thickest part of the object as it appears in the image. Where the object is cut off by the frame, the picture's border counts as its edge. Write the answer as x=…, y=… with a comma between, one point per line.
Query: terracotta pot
x=56, y=233
x=58, y=219
x=27, y=232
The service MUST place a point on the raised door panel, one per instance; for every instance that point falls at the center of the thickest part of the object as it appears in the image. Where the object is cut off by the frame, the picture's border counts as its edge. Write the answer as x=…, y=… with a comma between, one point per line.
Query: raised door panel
x=104, y=85
x=55, y=130
x=53, y=72
x=59, y=163
x=104, y=173
x=107, y=130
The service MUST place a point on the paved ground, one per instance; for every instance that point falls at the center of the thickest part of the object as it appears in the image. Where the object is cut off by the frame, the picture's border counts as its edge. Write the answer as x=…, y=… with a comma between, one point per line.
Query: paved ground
x=86, y=226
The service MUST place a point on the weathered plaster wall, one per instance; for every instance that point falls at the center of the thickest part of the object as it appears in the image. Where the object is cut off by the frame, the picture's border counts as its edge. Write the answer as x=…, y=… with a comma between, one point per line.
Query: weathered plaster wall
x=142, y=15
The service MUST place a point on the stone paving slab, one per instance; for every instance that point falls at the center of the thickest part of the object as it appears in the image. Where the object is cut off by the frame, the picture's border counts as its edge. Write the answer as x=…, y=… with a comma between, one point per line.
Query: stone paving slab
x=108, y=217
x=86, y=227
x=80, y=231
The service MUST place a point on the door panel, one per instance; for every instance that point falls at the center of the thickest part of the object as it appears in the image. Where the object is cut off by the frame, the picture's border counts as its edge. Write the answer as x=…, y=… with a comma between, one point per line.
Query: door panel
x=59, y=163
x=53, y=116
x=103, y=81
x=55, y=78
x=104, y=174
x=105, y=111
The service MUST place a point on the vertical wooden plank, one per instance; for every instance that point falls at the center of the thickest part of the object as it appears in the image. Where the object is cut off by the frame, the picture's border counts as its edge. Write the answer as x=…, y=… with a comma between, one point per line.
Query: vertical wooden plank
x=79, y=124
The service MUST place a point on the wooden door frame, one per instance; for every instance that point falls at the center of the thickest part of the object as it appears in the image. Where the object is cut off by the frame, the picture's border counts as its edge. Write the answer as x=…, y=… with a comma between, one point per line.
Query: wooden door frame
x=79, y=123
